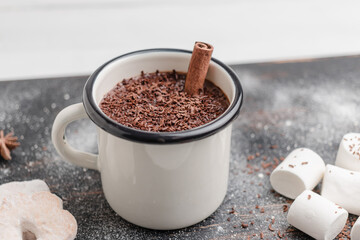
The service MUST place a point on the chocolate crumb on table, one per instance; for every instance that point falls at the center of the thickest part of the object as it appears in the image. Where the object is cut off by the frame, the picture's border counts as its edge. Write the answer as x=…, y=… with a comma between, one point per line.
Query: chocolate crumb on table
x=233, y=211
x=285, y=208
x=157, y=102
x=265, y=165
x=271, y=228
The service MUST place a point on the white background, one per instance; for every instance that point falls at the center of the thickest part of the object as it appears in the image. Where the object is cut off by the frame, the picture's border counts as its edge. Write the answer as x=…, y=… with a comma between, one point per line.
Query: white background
x=40, y=38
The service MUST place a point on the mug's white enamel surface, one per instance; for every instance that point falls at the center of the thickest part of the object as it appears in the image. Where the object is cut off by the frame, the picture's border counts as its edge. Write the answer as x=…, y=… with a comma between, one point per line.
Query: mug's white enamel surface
x=158, y=186
x=165, y=186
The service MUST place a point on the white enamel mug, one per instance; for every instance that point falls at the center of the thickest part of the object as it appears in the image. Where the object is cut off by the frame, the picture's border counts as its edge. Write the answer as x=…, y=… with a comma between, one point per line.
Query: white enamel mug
x=155, y=180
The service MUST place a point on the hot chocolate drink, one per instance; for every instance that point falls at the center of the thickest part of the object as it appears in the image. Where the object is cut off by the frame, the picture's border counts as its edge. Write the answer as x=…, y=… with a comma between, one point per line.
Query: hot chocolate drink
x=157, y=102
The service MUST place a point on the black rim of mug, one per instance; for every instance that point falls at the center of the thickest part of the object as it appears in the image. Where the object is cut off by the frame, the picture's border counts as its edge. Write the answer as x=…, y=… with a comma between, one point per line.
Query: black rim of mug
x=132, y=134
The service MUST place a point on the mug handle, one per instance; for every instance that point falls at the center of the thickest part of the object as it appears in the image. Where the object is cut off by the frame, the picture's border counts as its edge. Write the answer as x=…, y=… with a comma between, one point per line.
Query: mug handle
x=67, y=115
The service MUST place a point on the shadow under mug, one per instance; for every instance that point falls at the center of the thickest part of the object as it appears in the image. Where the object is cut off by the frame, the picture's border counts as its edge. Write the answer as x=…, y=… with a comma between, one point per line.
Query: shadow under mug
x=157, y=180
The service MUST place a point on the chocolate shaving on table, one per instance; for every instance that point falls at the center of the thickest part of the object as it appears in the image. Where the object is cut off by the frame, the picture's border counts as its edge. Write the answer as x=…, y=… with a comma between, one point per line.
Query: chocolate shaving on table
x=244, y=225
x=285, y=208
x=271, y=228
x=157, y=102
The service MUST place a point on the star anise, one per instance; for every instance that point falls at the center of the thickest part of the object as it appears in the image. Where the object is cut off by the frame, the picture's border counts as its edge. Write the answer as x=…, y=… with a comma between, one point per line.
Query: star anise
x=7, y=143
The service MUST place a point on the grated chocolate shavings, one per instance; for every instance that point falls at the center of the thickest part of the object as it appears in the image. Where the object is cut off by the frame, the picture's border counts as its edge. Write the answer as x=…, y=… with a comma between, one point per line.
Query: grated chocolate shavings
x=304, y=163
x=157, y=102
x=309, y=197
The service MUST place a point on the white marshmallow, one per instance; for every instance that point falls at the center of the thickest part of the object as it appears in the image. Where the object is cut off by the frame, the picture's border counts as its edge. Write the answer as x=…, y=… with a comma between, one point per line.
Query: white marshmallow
x=317, y=216
x=342, y=186
x=355, y=231
x=348, y=155
x=301, y=170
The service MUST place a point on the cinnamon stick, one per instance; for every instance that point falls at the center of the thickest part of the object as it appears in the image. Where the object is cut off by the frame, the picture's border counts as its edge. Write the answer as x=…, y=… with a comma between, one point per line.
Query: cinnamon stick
x=198, y=67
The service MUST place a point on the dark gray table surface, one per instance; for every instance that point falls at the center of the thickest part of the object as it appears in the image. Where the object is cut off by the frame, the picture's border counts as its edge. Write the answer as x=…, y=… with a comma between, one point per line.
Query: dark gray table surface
x=310, y=103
